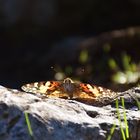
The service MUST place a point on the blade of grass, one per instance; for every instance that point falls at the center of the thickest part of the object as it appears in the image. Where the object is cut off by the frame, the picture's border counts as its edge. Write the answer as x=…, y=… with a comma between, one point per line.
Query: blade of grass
x=28, y=124
x=111, y=132
x=125, y=119
x=138, y=103
x=118, y=114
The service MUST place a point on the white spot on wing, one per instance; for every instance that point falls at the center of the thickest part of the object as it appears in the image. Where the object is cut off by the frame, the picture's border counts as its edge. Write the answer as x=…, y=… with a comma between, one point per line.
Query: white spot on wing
x=93, y=90
x=36, y=84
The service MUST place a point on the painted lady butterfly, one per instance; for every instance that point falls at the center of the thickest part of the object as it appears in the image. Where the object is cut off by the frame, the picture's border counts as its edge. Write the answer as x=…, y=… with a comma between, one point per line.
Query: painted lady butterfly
x=86, y=93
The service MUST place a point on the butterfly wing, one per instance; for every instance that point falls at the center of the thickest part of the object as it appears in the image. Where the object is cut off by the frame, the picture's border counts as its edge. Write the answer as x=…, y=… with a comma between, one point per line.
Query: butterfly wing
x=87, y=93
x=49, y=88
x=95, y=95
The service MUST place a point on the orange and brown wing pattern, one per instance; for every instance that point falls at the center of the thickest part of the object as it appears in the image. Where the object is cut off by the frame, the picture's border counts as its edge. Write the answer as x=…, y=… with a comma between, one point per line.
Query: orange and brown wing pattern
x=41, y=87
x=49, y=88
x=95, y=95
x=87, y=93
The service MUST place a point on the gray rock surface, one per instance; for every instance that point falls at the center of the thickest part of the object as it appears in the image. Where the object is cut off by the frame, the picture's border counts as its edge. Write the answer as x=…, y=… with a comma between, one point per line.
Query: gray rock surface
x=58, y=119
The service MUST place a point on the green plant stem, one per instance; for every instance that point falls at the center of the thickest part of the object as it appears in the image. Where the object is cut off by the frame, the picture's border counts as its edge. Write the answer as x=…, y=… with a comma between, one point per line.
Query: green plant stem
x=111, y=131
x=28, y=124
x=125, y=118
x=118, y=114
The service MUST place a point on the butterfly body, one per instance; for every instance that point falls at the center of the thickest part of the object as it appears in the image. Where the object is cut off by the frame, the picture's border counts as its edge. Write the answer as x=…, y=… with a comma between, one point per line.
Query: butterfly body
x=86, y=93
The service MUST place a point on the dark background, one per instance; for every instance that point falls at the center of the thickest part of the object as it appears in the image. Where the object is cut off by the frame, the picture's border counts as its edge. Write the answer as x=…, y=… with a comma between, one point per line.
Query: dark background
x=91, y=41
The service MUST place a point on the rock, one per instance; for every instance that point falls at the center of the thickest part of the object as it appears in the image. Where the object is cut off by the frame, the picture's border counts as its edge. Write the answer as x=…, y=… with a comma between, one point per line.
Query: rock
x=57, y=119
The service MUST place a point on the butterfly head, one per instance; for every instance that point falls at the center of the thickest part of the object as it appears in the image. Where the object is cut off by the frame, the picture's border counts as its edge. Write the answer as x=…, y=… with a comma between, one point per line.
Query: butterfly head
x=68, y=81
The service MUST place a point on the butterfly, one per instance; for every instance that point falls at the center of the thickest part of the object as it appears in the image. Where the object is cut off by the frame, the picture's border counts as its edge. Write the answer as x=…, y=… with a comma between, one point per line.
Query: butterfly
x=68, y=89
